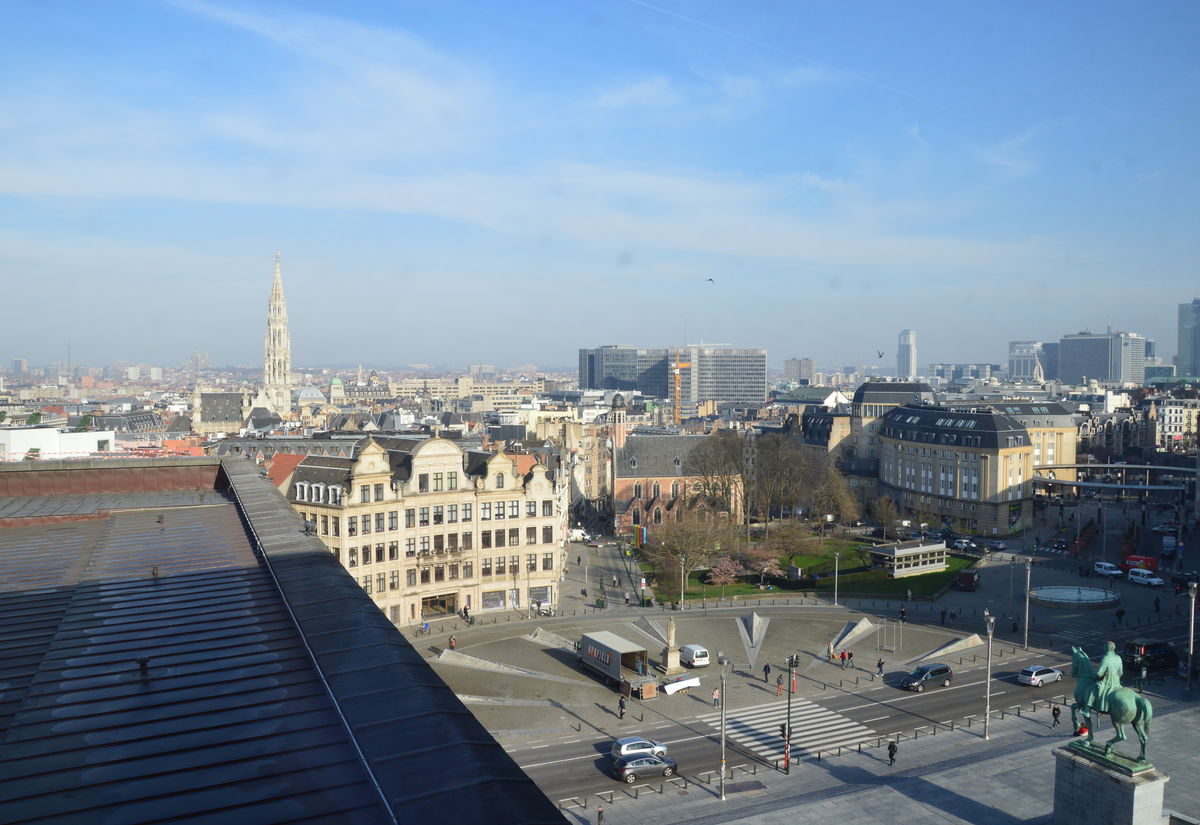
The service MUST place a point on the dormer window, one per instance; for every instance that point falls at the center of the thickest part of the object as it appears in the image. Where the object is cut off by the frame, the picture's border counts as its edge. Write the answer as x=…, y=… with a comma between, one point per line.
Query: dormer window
x=678, y=463
x=633, y=461
x=302, y=491
x=499, y=481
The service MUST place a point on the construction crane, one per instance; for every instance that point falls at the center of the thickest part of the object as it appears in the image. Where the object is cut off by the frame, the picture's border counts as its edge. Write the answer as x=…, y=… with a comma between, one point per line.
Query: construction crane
x=677, y=368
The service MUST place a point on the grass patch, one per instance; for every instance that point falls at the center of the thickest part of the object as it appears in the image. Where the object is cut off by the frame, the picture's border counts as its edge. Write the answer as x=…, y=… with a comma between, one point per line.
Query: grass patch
x=877, y=581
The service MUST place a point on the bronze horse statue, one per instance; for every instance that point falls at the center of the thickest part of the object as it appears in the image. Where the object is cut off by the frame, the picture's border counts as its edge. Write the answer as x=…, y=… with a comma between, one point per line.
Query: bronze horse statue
x=1124, y=705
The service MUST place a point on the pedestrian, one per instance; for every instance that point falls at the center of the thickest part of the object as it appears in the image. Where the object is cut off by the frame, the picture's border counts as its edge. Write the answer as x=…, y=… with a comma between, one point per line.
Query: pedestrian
x=453, y=643
x=879, y=668
x=627, y=598
x=599, y=815
x=850, y=659
x=842, y=656
x=1157, y=605
x=909, y=594
x=903, y=614
x=1120, y=615
x=621, y=708
x=892, y=748
x=716, y=697
x=1055, y=713
x=578, y=560
x=943, y=615
x=466, y=614
x=829, y=652
x=767, y=672
x=779, y=685
x=614, y=581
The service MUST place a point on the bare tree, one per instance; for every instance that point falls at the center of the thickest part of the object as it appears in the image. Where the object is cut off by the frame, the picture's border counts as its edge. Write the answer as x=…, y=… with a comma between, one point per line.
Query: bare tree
x=831, y=493
x=717, y=463
x=778, y=470
x=885, y=513
x=688, y=545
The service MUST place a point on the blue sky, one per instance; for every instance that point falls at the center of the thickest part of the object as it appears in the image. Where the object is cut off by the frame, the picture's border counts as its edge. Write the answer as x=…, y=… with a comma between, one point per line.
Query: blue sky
x=460, y=182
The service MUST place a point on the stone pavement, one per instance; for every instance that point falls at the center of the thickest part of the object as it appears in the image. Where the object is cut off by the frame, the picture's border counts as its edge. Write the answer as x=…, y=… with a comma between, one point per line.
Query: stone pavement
x=952, y=777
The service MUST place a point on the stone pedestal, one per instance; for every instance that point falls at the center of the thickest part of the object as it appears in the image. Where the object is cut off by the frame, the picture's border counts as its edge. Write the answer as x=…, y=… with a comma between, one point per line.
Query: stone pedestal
x=1089, y=792
x=670, y=660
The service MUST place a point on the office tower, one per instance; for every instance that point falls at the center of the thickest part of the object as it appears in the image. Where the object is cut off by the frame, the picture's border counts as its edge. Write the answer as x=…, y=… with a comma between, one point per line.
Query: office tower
x=20, y=366
x=1111, y=356
x=906, y=355
x=277, y=362
x=717, y=374
x=800, y=370
x=1187, y=362
x=1027, y=361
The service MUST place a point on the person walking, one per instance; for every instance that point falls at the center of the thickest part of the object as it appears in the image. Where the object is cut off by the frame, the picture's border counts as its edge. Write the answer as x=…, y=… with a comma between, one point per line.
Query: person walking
x=1157, y=605
x=621, y=708
x=767, y=672
x=903, y=614
x=943, y=615
x=453, y=643
x=779, y=685
x=879, y=668
x=627, y=598
x=850, y=659
x=1055, y=713
x=842, y=656
x=892, y=748
x=614, y=581
x=829, y=652
x=716, y=697
x=599, y=815
x=1120, y=615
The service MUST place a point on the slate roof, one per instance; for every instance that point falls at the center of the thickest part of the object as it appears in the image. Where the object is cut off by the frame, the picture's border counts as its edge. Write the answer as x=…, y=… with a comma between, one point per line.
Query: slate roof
x=893, y=392
x=321, y=469
x=221, y=406
x=983, y=429
x=655, y=456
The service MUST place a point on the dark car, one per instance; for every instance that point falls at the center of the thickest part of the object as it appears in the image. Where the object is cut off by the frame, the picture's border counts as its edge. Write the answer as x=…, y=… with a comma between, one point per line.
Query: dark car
x=1155, y=655
x=1182, y=577
x=1059, y=544
x=933, y=674
x=632, y=768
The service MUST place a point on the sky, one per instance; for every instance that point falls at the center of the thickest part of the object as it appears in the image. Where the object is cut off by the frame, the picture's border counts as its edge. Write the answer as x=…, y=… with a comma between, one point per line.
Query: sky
x=454, y=182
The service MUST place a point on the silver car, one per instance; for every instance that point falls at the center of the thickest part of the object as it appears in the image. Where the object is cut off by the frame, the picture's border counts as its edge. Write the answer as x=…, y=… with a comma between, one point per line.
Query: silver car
x=1039, y=675
x=637, y=746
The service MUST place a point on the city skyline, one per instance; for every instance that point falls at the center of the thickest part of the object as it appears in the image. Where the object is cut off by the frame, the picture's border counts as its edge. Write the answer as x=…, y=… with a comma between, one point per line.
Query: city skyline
x=652, y=174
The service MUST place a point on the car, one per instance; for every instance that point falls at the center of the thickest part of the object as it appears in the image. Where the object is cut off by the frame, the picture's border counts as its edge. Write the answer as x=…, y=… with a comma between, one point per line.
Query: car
x=1038, y=675
x=964, y=544
x=1059, y=544
x=934, y=536
x=1167, y=527
x=1106, y=569
x=1154, y=654
x=996, y=545
x=631, y=746
x=592, y=544
x=931, y=674
x=1139, y=575
x=632, y=768
x=1182, y=577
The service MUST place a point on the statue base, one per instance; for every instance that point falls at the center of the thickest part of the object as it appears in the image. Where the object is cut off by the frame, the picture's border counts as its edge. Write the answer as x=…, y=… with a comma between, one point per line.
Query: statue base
x=1092, y=789
x=670, y=661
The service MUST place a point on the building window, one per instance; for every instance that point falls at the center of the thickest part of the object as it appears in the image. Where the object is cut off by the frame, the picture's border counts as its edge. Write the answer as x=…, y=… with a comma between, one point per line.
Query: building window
x=438, y=516
x=424, y=545
x=468, y=540
x=393, y=520
x=637, y=516
x=393, y=550
x=514, y=563
x=548, y=507
x=423, y=483
x=468, y=570
x=424, y=575
x=353, y=557
x=324, y=525
x=637, y=490
x=351, y=526
x=499, y=510
x=335, y=495
x=657, y=515
x=514, y=536
x=674, y=489
x=499, y=481
x=485, y=539
x=531, y=535
x=466, y=512
x=501, y=569
x=410, y=517
x=452, y=481
x=438, y=541
x=302, y=491
x=657, y=488
x=514, y=509
x=453, y=570
x=451, y=513
x=379, y=495
x=547, y=535
x=499, y=538
x=379, y=522
x=394, y=580
x=531, y=509
x=531, y=563
x=547, y=561
x=364, y=493
x=437, y=482
x=410, y=577
x=336, y=525
x=410, y=547
x=452, y=541
x=423, y=518
x=366, y=554
x=366, y=524
x=366, y=584
x=485, y=511
x=485, y=567
x=439, y=573
x=380, y=581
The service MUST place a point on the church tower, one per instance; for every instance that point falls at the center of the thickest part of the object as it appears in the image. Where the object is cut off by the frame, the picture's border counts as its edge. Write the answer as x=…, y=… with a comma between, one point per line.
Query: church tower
x=277, y=365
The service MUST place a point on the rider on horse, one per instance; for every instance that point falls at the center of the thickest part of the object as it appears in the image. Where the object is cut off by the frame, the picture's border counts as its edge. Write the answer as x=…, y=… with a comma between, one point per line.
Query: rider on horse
x=1108, y=678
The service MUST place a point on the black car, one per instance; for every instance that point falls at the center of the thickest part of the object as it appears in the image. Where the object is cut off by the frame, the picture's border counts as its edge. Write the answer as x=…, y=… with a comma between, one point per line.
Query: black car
x=643, y=766
x=1156, y=656
x=1182, y=577
x=932, y=674
x=1059, y=544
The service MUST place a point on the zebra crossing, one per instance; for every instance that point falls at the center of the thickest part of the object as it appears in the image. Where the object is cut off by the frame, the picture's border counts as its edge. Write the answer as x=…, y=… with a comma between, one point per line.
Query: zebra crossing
x=757, y=729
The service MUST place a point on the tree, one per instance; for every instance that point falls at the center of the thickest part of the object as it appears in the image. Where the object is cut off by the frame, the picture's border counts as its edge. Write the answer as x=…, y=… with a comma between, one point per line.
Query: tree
x=717, y=462
x=762, y=562
x=685, y=546
x=831, y=494
x=725, y=572
x=34, y=418
x=886, y=513
x=778, y=468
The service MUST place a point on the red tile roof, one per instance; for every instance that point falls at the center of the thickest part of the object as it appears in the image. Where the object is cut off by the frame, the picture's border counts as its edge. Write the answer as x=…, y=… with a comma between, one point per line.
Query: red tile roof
x=282, y=466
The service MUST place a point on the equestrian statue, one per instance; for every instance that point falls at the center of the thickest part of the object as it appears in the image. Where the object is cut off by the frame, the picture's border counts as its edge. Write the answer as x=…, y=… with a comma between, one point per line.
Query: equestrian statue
x=1100, y=691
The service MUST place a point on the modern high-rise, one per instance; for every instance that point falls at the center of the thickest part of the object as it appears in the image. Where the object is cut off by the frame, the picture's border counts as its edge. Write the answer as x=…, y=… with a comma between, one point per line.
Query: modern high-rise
x=20, y=366
x=800, y=370
x=277, y=361
x=1027, y=361
x=906, y=355
x=716, y=374
x=1118, y=357
x=1187, y=362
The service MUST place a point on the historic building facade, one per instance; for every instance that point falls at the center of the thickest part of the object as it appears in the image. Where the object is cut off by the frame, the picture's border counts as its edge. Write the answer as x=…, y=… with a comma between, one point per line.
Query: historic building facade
x=277, y=358
x=428, y=529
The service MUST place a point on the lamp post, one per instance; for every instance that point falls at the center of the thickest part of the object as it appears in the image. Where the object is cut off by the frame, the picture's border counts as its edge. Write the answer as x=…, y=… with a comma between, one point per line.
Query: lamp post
x=836, y=556
x=792, y=661
x=1191, y=634
x=723, y=660
x=1028, y=576
x=990, y=622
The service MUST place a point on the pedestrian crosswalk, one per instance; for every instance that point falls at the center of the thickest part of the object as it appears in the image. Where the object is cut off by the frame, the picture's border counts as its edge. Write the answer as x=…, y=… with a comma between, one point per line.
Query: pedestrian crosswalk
x=758, y=729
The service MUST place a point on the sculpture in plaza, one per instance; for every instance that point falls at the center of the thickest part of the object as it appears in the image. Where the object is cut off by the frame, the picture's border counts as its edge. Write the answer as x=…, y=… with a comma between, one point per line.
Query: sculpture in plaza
x=671, y=633
x=1100, y=691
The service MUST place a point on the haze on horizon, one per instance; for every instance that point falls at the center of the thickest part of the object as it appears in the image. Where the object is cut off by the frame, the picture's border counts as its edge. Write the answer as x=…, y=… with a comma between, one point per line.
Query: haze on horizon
x=465, y=182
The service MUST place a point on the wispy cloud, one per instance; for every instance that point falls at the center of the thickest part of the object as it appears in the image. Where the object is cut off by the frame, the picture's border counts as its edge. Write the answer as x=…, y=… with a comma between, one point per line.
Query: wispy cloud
x=653, y=92
x=1011, y=155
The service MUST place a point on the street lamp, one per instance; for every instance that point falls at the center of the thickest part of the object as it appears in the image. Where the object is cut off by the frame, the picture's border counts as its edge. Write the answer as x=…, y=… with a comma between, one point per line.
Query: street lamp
x=1028, y=576
x=1191, y=634
x=792, y=662
x=990, y=622
x=723, y=660
x=836, y=555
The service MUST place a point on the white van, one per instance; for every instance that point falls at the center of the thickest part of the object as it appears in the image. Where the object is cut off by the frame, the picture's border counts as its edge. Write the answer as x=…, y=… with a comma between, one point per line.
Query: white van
x=693, y=655
x=1138, y=575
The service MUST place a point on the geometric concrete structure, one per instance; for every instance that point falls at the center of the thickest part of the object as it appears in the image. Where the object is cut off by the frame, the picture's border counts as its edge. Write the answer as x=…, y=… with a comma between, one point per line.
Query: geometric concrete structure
x=1089, y=792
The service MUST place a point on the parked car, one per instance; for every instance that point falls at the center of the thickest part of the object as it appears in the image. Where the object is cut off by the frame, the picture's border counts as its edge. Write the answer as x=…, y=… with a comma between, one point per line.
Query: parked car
x=1149, y=578
x=1038, y=675
x=931, y=674
x=1166, y=527
x=1154, y=654
x=631, y=746
x=996, y=545
x=1059, y=544
x=1106, y=569
x=964, y=544
x=1184, y=576
x=934, y=536
x=693, y=655
x=635, y=767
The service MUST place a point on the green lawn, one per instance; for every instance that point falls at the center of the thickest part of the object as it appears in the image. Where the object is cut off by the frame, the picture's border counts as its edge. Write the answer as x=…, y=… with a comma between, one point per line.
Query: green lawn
x=877, y=581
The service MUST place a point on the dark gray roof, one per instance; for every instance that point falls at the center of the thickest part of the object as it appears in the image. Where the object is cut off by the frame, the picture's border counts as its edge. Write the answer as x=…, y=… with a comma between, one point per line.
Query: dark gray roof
x=221, y=406
x=273, y=689
x=658, y=456
x=321, y=469
x=893, y=392
x=982, y=429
